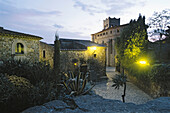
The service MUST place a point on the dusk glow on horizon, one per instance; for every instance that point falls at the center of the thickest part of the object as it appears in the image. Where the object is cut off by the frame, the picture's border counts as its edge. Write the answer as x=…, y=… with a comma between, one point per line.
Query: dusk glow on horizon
x=74, y=19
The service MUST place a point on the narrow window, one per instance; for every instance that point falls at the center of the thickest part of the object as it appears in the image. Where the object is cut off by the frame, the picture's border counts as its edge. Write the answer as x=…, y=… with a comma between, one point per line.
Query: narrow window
x=43, y=53
x=110, y=32
x=111, y=46
x=106, y=33
x=95, y=55
x=19, y=48
x=117, y=30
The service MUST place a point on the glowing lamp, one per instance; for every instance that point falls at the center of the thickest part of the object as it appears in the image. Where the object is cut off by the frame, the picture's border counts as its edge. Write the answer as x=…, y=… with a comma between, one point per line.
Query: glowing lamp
x=142, y=62
x=94, y=48
x=75, y=64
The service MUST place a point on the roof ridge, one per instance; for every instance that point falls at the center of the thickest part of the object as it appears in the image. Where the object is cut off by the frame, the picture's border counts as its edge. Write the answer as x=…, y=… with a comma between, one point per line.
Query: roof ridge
x=6, y=31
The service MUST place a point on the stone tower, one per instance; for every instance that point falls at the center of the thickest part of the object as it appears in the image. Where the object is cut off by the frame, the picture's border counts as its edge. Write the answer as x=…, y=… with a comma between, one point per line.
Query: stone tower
x=111, y=22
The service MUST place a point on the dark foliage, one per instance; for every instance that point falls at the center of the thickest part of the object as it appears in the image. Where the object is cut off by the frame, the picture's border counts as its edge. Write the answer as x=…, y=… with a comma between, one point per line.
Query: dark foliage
x=33, y=72
x=15, y=93
x=120, y=80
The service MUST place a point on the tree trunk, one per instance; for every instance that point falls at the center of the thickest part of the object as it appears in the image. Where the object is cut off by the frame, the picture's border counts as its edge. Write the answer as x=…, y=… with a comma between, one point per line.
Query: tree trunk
x=123, y=96
x=160, y=46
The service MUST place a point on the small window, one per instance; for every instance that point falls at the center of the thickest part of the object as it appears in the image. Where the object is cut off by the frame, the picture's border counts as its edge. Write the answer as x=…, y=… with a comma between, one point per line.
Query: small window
x=103, y=33
x=43, y=53
x=103, y=42
x=98, y=35
x=111, y=46
x=19, y=48
x=110, y=32
x=117, y=30
x=106, y=33
x=95, y=55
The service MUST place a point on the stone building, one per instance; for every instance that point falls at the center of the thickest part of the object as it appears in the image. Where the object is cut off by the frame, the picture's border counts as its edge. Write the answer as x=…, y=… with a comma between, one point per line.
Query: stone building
x=15, y=45
x=76, y=52
x=21, y=46
x=111, y=30
x=46, y=53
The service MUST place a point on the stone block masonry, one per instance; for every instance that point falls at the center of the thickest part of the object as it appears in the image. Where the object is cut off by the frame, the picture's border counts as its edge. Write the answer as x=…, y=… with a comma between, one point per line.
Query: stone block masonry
x=8, y=48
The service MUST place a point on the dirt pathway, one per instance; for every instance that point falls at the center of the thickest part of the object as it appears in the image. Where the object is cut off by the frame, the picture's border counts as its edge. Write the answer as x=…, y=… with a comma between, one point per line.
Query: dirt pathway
x=133, y=93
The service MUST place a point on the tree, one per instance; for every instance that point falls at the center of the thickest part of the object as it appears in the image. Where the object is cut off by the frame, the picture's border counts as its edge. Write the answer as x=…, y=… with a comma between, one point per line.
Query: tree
x=57, y=58
x=159, y=22
x=120, y=80
x=130, y=46
x=133, y=42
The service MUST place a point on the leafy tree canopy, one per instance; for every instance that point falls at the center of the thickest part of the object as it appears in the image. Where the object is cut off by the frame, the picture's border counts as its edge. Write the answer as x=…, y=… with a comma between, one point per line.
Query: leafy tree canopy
x=133, y=42
x=159, y=22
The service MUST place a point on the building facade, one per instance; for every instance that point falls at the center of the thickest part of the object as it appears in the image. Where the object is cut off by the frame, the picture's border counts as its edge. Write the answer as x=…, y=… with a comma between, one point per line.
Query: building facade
x=80, y=51
x=15, y=45
x=111, y=30
x=25, y=47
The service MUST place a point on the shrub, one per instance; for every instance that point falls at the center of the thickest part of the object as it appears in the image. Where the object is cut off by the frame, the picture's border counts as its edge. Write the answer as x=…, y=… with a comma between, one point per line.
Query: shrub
x=148, y=77
x=76, y=84
x=33, y=72
x=44, y=92
x=15, y=93
x=160, y=73
x=97, y=69
x=26, y=84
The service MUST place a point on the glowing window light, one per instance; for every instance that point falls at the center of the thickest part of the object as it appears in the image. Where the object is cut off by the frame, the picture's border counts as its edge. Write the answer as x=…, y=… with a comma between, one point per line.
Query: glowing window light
x=94, y=48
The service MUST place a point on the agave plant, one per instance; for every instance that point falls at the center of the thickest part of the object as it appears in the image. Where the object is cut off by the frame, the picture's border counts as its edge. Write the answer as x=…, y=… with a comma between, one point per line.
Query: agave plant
x=120, y=80
x=76, y=84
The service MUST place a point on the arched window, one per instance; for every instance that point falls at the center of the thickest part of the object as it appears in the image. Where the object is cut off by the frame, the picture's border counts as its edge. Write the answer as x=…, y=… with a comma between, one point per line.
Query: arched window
x=19, y=48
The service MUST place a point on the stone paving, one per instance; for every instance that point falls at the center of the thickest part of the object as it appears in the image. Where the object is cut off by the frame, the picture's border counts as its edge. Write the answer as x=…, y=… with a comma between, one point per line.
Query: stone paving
x=133, y=93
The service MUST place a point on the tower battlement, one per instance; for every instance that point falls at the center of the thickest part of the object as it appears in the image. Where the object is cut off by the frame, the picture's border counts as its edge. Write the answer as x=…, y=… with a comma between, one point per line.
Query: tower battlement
x=111, y=22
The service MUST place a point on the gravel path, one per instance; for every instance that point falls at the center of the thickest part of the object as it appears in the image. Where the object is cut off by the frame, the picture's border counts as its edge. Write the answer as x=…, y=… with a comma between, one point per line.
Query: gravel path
x=133, y=93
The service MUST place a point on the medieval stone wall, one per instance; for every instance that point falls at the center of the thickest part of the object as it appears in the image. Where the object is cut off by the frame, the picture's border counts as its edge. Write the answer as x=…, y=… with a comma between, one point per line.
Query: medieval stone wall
x=48, y=51
x=95, y=59
x=30, y=48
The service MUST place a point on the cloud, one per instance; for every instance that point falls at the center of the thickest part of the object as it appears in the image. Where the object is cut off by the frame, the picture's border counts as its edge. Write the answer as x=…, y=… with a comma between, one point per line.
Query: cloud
x=73, y=35
x=118, y=7
x=29, y=21
x=91, y=9
x=58, y=26
x=109, y=7
x=11, y=10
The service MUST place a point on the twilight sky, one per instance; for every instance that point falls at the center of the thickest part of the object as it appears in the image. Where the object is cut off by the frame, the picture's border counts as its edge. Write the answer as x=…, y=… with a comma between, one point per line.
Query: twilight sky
x=76, y=19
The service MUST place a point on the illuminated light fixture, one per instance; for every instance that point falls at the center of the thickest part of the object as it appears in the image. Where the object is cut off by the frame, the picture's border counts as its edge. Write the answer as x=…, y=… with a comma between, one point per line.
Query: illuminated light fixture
x=142, y=62
x=94, y=48
x=75, y=64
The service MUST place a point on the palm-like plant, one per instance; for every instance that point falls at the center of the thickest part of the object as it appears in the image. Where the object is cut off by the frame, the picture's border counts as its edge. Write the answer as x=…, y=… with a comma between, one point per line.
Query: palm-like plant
x=120, y=80
x=76, y=84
